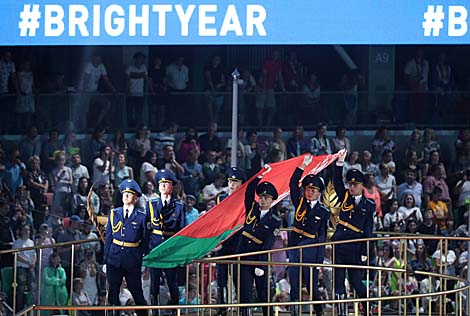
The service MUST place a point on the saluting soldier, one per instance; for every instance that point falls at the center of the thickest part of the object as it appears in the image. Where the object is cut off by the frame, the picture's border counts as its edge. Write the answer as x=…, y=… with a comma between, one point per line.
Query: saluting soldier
x=310, y=227
x=125, y=244
x=355, y=222
x=258, y=233
x=166, y=216
x=235, y=179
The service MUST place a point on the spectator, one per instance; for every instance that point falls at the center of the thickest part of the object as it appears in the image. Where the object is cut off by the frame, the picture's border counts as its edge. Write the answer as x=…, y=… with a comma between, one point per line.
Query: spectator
x=320, y=144
x=30, y=145
x=44, y=239
x=270, y=80
x=340, y=141
x=177, y=74
x=387, y=159
x=463, y=159
x=168, y=161
x=413, y=164
x=210, y=141
x=246, y=92
x=416, y=73
x=297, y=144
x=70, y=145
x=439, y=210
x=352, y=162
x=211, y=191
x=61, y=183
x=428, y=227
x=136, y=79
x=435, y=180
x=415, y=144
x=442, y=83
x=78, y=171
x=366, y=164
x=210, y=169
x=411, y=186
x=159, y=86
x=37, y=184
x=25, y=267
x=106, y=199
x=14, y=172
x=25, y=105
x=89, y=275
x=7, y=76
x=278, y=144
x=409, y=210
x=148, y=169
x=81, y=196
x=214, y=81
x=192, y=213
x=54, y=288
x=193, y=177
x=350, y=84
x=429, y=143
x=380, y=143
x=148, y=192
x=434, y=159
x=292, y=72
x=102, y=167
x=188, y=143
x=386, y=183
x=140, y=145
x=311, y=96
x=122, y=171
x=97, y=141
x=69, y=234
x=80, y=297
x=118, y=144
x=372, y=192
x=49, y=148
x=462, y=192
x=93, y=72
x=255, y=154
x=421, y=262
x=393, y=216
x=165, y=138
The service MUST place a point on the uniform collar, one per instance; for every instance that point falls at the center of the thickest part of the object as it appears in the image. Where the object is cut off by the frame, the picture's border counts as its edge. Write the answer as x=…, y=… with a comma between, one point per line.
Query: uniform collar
x=129, y=209
x=357, y=199
x=312, y=203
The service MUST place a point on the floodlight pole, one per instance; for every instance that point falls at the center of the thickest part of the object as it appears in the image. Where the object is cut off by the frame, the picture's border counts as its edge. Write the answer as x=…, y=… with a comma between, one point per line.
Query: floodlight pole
x=235, y=76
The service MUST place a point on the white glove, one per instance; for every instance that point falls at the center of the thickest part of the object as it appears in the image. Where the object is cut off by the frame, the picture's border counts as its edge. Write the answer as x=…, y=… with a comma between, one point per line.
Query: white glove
x=259, y=272
x=341, y=157
x=103, y=268
x=307, y=160
x=363, y=258
x=268, y=169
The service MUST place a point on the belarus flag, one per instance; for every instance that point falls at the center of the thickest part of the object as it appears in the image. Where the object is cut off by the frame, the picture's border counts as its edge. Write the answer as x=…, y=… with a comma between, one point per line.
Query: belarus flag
x=209, y=230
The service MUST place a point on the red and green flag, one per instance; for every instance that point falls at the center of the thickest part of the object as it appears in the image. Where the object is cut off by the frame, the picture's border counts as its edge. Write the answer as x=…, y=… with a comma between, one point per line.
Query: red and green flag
x=196, y=240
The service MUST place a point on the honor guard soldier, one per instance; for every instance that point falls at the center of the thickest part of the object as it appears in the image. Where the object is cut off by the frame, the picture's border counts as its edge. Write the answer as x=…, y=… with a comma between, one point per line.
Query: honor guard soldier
x=235, y=178
x=258, y=233
x=355, y=222
x=310, y=227
x=125, y=244
x=166, y=216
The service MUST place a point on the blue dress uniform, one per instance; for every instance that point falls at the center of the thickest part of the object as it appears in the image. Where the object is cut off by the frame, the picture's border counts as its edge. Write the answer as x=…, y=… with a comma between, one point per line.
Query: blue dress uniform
x=258, y=233
x=126, y=243
x=355, y=221
x=310, y=226
x=165, y=220
x=229, y=246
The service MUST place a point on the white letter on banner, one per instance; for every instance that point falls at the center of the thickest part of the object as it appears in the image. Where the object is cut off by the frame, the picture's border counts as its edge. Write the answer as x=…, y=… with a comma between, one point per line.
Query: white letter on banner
x=457, y=17
x=110, y=22
x=143, y=20
x=162, y=9
x=231, y=22
x=258, y=20
x=96, y=19
x=78, y=16
x=54, y=20
x=204, y=20
x=184, y=17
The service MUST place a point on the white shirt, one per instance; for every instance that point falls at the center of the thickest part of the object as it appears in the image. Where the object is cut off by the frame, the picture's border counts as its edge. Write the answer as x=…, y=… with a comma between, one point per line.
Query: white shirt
x=385, y=185
x=263, y=213
x=29, y=255
x=99, y=177
x=129, y=209
x=178, y=77
x=94, y=74
x=78, y=172
x=136, y=85
x=312, y=204
x=357, y=199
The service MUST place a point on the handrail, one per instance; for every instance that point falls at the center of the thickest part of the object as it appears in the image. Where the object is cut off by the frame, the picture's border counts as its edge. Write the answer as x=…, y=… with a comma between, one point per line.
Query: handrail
x=56, y=245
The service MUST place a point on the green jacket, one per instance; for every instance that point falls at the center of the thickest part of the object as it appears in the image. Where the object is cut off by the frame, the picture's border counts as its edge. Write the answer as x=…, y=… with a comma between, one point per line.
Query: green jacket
x=54, y=289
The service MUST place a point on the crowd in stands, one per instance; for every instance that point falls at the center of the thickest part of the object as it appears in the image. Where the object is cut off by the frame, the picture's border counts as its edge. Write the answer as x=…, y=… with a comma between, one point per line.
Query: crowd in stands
x=44, y=187
x=148, y=89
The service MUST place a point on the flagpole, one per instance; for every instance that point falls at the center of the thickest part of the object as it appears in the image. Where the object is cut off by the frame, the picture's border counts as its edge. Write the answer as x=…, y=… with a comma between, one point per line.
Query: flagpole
x=235, y=76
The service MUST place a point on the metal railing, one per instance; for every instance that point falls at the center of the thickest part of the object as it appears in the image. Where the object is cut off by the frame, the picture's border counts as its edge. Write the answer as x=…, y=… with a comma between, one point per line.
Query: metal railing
x=235, y=261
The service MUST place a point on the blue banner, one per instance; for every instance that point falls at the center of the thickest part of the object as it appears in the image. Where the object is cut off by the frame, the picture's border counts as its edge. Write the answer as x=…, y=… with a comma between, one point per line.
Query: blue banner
x=166, y=22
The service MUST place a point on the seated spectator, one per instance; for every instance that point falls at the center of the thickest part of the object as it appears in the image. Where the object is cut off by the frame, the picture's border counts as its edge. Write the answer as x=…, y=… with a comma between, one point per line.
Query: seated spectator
x=409, y=210
x=411, y=186
x=188, y=143
x=210, y=169
x=148, y=193
x=340, y=141
x=80, y=297
x=410, y=229
x=421, y=261
x=320, y=144
x=54, y=283
x=211, y=191
x=168, y=161
x=411, y=163
x=210, y=141
x=366, y=164
x=434, y=159
x=415, y=144
x=386, y=183
x=439, y=210
x=81, y=196
x=122, y=170
x=148, y=169
x=393, y=216
x=351, y=162
x=429, y=144
x=192, y=213
x=193, y=177
x=387, y=159
x=380, y=143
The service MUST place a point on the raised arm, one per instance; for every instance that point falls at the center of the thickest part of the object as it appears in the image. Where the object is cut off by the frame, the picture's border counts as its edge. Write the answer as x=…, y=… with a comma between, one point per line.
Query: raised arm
x=338, y=175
